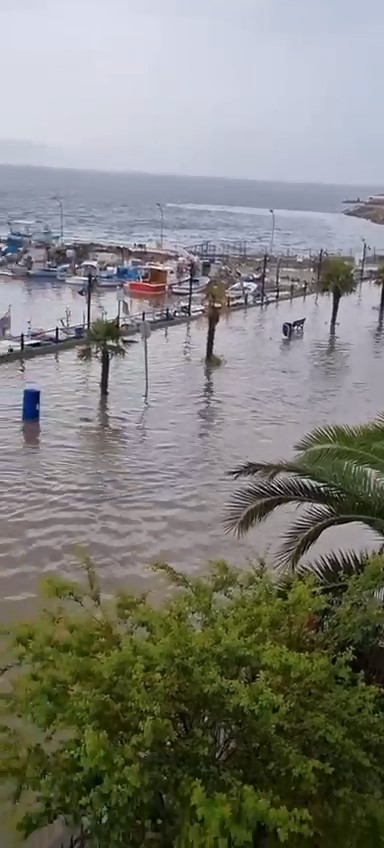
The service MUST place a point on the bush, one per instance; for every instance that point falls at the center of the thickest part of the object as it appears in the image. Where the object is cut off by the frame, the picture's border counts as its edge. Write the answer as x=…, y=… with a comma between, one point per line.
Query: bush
x=229, y=717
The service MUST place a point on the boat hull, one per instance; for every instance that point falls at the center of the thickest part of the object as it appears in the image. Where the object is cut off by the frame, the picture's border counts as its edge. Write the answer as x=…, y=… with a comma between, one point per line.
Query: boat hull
x=42, y=274
x=143, y=287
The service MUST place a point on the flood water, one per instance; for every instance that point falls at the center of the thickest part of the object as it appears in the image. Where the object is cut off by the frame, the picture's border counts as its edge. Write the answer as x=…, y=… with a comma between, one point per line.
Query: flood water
x=140, y=481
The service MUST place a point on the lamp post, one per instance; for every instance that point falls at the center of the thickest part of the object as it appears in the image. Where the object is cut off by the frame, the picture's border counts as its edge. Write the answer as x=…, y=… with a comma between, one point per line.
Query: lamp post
x=60, y=202
x=320, y=260
x=363, y=259
x=263, y=275
x=159, y=206
x=89, y=299
x=272, y=231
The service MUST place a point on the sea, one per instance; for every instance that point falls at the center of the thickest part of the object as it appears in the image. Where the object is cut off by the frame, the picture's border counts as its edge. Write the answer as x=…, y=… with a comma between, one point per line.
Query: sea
x=122, y=206
x=135, y=480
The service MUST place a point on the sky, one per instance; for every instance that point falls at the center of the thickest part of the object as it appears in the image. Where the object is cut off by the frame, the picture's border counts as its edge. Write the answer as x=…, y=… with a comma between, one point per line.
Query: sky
x=264, y=89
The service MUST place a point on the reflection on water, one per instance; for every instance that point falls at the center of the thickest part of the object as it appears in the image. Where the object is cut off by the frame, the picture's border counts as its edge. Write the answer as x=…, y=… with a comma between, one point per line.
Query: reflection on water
x=138, y=481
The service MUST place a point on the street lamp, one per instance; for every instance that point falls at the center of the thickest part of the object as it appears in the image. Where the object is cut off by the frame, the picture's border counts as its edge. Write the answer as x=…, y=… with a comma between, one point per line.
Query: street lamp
x=60, y=202
x=272, y=231
x=159, y=206
x=363, y=258
x=323, y=253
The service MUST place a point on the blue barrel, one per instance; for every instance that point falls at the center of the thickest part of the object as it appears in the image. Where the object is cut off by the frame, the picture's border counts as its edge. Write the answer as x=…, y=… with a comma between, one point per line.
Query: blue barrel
x=31, y=405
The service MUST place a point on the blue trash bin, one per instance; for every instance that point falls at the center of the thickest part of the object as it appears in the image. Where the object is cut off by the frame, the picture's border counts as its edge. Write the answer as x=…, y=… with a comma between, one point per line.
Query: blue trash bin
x=31, y=405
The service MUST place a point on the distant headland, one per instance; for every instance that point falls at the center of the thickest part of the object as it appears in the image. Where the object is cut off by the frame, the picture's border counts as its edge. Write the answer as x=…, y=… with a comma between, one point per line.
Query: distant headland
x=371, y=209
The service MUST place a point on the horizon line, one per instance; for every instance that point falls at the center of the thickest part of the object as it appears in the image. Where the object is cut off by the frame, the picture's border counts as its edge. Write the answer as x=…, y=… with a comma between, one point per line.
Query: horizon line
x=144, y=173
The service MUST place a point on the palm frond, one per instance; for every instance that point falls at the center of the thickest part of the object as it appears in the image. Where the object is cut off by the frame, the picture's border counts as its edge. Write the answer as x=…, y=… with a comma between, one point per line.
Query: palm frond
x=117, y=349
x=343, y=434
x=104, y=332
x=336, y=478
x=362, y=445
x=353, y=488
x=337, y=275
x=103, y=335
x=265, y=469
x=332, y=569
x=307, y=529
x=252, y=504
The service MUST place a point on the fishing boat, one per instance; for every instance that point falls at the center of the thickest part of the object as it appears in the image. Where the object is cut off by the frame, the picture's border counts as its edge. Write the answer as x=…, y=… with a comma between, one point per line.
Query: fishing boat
x=152, y=281
x=48, y=272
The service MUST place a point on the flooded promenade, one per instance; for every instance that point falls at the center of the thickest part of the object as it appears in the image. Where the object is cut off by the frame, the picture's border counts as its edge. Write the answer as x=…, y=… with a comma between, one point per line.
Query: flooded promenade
x=138, y=482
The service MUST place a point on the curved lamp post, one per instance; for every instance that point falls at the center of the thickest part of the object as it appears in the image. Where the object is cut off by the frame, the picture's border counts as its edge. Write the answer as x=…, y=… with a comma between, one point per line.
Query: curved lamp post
x=272, y=232
x=161, y=208
x=60, y=202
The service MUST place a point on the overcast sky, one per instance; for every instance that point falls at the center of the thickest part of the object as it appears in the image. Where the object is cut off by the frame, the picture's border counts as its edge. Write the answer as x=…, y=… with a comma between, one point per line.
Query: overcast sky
x=270, y=89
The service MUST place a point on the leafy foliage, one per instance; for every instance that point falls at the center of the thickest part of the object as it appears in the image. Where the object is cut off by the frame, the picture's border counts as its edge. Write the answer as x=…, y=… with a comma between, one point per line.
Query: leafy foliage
x=335, y=478
x=337, y=280
x=104, y=340
x=336, y=275
x=232, y=716
x=103, y=336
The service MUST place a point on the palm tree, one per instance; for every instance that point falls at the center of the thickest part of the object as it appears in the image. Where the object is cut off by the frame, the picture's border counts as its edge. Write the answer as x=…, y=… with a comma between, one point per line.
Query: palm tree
x=336, y=279
x=214, y=300
x=104, y=340
x=379, y=281
x=336, y=478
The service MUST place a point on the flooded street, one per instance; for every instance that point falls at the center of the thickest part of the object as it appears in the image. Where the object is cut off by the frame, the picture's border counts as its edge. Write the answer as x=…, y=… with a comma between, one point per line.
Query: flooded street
x=139, y=482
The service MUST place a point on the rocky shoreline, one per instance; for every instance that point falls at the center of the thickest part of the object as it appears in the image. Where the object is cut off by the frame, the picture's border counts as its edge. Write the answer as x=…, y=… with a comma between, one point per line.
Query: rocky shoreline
x=370, y=211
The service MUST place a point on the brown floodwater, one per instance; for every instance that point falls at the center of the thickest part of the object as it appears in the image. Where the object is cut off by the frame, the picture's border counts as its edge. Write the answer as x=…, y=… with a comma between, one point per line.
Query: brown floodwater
x=137, y=481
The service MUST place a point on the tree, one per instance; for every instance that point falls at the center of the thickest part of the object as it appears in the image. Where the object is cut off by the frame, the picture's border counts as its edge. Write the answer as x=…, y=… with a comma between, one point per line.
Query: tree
x=104, y=340
x=215, y=298
x=337, y=280
x=229, y=717
x=335, y=478
x=379, y=281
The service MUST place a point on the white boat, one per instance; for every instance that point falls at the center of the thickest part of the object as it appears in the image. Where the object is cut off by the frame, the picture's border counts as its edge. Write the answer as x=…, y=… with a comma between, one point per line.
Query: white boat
x=243, y=287
x=182, y=288
x=14, y=271
x=104, y=277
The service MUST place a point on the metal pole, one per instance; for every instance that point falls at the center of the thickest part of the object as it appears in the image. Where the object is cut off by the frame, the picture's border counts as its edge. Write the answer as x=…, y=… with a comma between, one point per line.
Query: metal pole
x=278, y=279
x=191, y=271
x=263, y=273
x=146, y=365
x=272, y=232
x=89, y=299
x=319, y=267
x=60, y=202
x=363, y=258
x=61, y=222
x=159, y=206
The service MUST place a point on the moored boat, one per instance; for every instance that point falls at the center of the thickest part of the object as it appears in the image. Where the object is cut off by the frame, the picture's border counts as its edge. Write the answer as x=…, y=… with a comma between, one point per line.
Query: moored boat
x=183, y=288
x=153, y=281
x=243, y=287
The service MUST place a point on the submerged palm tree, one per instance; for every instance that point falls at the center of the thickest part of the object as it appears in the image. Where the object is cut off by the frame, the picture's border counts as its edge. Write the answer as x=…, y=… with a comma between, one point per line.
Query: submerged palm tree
x=336, y=478
x=214, y=302
x=379, y=281
x=337, y=280
x=104, y=340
